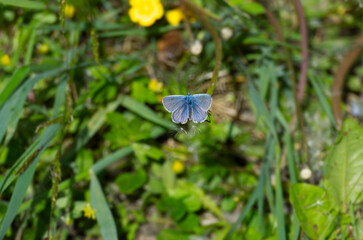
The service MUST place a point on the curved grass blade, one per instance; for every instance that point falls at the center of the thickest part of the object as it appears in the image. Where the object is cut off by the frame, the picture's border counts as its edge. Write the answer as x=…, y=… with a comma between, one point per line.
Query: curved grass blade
x=145, y=112
x=103, y=213
x=24, y=181
x=24, y=4
x=322, y=99
x=13, y=83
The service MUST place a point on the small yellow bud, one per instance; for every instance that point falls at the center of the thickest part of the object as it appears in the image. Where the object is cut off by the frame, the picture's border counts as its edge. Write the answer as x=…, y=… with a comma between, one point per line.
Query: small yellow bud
x=155, y=86
x=69, y=11
x=89, y=212
x=178, y=167
x=5, y=60
x=43, y=48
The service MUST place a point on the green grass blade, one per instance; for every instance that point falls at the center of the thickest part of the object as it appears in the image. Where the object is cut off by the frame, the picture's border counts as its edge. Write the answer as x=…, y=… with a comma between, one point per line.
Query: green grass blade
x=24, y=181
x=40, y=142
x=281, y=232
x=322, y=99
x=12, y=108
x=13, y=83
x=17, y=197
x=251, y=201
x=105, y=162
x=103, y=212
x=24, y=4
x=145, y=112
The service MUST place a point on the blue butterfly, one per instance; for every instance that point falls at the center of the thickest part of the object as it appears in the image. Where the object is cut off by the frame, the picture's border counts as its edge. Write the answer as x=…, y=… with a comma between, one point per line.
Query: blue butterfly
x=190, y=107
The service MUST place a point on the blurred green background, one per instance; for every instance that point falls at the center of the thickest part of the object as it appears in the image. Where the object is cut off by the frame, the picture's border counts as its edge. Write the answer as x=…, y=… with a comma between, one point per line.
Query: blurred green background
x=89, y=152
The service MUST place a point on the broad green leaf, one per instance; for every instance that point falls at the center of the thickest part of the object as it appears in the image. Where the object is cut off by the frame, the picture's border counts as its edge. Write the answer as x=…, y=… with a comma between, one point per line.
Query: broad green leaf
x=207, y=201
x=24, y=3
x=129, y=182
x=103, y=214
x=174, y=207
x=190, y=223
x=344, y=167
x=313, y=210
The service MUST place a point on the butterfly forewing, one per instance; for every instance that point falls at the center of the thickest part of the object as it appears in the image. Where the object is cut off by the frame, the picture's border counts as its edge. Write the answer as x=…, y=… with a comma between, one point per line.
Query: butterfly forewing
x=180, y=115
x=171, y=103
x=198, y=115
x=204, y=101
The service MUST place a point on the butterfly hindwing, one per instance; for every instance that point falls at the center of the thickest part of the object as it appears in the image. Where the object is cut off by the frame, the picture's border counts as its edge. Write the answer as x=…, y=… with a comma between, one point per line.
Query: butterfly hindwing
x=181, y=114
x=204, y=101
x=173, y=102
x=198, y=114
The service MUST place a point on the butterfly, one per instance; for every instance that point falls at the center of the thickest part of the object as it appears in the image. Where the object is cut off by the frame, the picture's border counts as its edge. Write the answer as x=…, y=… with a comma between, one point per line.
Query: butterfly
x=190, y=107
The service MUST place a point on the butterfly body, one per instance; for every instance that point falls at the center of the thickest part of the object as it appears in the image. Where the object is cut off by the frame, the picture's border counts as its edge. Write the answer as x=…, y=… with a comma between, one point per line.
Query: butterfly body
x=190, y=107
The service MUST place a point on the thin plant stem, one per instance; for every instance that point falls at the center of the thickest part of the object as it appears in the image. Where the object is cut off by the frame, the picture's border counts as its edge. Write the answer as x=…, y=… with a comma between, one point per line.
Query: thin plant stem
x=275, y=24
x=203, y=15
x=304, y=48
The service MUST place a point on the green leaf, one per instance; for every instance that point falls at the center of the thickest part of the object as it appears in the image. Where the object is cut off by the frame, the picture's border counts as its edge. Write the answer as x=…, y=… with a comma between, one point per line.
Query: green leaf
x=103, y=213
x=170, y=234
x=174, y=207
x=344, y=167
x=143, y=151
x=228, y=204
x=192, y=202
x=322, y=99
x=250, y=7
x=190, y=223
x=24, y=4
x=129, y=182
x=13, y=83
x=207, y=201
x=145, y=112
x=313, y=210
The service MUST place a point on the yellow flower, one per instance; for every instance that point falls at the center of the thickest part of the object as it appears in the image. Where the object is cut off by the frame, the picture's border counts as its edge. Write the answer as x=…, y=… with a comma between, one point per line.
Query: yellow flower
x=43, y=48
x=175, y=16
x=145, y=12
x=178, y=167
x=69, y=11
x=89, y=212
x=155, y=86
x=5, y=60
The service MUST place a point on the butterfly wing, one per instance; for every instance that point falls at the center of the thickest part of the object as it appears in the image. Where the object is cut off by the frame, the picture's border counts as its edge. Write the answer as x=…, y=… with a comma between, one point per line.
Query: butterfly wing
x=180, y=115
x=198, y=114
x=173, y=102
x=204, y=101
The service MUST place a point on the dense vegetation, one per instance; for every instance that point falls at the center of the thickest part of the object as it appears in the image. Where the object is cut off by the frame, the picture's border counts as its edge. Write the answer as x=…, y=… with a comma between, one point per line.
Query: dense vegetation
x=88, y=150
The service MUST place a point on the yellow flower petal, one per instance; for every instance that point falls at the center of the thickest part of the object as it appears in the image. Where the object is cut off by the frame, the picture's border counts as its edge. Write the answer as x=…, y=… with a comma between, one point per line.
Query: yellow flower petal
x=175, y=16
x=89, y=212
x=178, y=167
x=69, y=11
x=5, y=60
x=145, y=12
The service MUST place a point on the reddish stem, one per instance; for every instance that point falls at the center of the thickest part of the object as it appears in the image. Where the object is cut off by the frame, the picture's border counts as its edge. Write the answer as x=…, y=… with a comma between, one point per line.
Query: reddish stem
x=304, y=47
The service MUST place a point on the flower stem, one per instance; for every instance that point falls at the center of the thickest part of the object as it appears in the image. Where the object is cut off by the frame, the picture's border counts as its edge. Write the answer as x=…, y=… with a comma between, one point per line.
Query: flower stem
x=202, y=16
